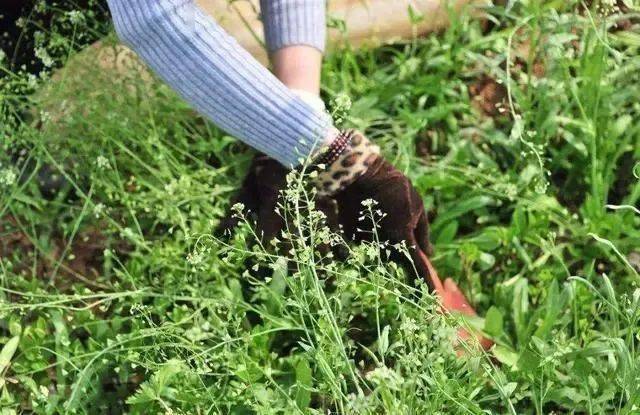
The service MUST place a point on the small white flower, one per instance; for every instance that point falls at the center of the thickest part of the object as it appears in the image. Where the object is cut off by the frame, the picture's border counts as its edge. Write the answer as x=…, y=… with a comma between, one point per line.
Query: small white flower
x=171, y=187
x=7, y=177
x=369, y=203
x=98, y=209
x=196, y=257
x=45, y=117
x=32, y=80
x=128, y=233
x=102, y=162
x=342, y=102
x=75, y=16
x=409, y=326
x=43, y=55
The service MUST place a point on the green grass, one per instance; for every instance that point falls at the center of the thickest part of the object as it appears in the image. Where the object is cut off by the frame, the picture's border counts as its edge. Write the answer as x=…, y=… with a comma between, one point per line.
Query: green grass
x=535, y=215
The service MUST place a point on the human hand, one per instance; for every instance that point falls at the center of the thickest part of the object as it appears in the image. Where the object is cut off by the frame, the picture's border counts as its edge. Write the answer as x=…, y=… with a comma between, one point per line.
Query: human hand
x=259, y=195
x=359, y=173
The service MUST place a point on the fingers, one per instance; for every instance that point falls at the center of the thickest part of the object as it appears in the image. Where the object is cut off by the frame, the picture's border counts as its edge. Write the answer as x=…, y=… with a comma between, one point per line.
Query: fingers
x=453, y=300
x=247, y=195
x=422, y=234
x=426, y=270
x=258, y=194
x=270, y=223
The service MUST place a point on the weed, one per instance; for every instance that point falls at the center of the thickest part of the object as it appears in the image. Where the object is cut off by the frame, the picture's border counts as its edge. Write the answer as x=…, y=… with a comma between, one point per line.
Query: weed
x=534, y=196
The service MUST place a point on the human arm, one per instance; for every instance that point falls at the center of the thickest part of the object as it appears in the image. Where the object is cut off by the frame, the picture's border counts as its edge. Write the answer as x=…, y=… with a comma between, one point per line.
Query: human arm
x=213, y=73
x=295, y=32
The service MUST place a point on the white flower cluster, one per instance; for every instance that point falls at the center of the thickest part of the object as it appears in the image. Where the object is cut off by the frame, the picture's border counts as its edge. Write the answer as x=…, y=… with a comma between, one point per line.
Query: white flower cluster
x=42, y=54
x=75, y=16
x=7, y=177
x=383, y=375
x=102, y=162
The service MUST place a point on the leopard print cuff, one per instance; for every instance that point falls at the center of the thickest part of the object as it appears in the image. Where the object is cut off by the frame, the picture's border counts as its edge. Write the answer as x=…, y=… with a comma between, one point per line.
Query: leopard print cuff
x=351, y=156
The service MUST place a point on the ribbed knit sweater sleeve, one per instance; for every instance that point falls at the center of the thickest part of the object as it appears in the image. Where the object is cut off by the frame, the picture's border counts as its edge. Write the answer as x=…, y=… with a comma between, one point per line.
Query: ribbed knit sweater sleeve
x=294, y=22
x=221, y=80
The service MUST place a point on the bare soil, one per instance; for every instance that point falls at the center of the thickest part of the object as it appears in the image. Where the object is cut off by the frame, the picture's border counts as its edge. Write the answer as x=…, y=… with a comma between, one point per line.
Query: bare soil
x=63, y=263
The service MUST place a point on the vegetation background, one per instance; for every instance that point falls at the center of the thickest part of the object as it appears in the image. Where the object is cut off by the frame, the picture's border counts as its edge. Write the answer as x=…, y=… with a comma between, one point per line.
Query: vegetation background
x=520, y=130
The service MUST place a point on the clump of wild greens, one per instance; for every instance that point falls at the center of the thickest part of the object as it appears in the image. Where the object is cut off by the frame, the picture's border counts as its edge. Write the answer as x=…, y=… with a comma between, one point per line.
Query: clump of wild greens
x=519, y=131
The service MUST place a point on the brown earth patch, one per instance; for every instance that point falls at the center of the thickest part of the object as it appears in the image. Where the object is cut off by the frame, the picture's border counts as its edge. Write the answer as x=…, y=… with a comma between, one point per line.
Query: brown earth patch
x=424, y=143
x=64, y=264
x=488, y=96
x=624, y=23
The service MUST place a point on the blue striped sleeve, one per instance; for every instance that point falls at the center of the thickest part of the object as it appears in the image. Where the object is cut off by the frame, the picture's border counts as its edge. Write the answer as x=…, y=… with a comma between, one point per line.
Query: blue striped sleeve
x=294, y=22
x=221, y=80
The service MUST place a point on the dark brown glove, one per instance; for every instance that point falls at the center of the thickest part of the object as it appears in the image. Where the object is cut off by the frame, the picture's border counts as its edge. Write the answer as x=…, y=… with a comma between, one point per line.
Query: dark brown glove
x=401, y=207
x=354, y=173
x=259, y=194
x=352, y=179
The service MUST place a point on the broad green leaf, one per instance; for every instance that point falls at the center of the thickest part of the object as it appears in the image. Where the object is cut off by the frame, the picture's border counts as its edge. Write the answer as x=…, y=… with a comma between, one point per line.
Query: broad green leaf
x=447, y=233
x=486, y=261
x=235, y=289
x=528, y=361
x=455, y=210
x=627, y=37
x=582, y=367
x=553, y=306
x=383, y=341
x=620, y=126
x=505, y=355
x=521, y=308
x=509, y=388
x=517, y=129
x=304, y=380
x=519, y=220
x=8, y=351
x=493, y=322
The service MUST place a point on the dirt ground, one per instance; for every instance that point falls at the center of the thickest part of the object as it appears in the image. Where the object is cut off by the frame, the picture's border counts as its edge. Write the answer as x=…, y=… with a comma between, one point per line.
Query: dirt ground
x=64, y=263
